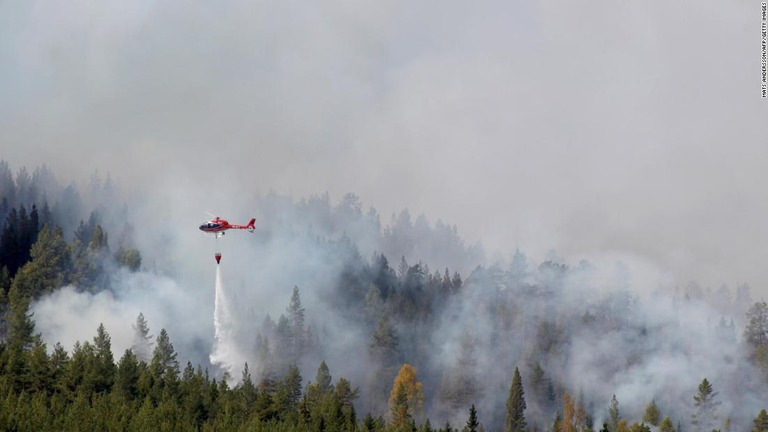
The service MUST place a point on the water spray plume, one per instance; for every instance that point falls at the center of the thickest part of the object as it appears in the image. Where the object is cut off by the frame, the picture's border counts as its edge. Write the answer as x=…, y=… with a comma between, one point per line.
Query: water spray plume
x=225, y=353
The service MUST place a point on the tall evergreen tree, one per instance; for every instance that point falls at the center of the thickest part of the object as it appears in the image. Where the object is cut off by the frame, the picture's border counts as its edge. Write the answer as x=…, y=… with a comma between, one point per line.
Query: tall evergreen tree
x=323, y=378
x=666, y=425
x=515, y=421
x=10, y=243
x=705, y=407
x=127, y=376
x=384, y=345
x=21, y=327
x=472, y=422
x=756, y=331
x=164, y=363
x=460, y=387
x=652, y=413
x=104, y=367
x=49, y=266
x=614, y=417
x=142, y=340
x=288, y=394
x=761, y=422
x=297, y=328
x=384, y=353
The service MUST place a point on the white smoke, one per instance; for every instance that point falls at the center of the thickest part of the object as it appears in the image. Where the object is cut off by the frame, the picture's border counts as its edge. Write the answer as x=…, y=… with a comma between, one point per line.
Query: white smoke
x=69, y=315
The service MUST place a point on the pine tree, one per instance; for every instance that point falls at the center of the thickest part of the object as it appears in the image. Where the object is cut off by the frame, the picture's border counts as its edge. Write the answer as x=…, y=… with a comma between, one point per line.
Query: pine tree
x=666, y=425
x=472, y=423
x=288, y=393
x=129, y=258
x=515, y=419
x=142, y=340
x=384, y=343
x=614, y=417
x=246, y=389
x=59, y=360
x=756, y=332
x=323, y=378
x=459, y=387
x=21, y=327
x=402, y=270
x=761, y=422
x=557, y=423
x=426, y=427
x=297, y=329
x=127, y=376
x=40, y=373
x=104, y=367
x=540, y=386
x=652, y=414
x=164, y=363
x=705, y=406
x=49, y=266
x=10, y=243
x=346, y=395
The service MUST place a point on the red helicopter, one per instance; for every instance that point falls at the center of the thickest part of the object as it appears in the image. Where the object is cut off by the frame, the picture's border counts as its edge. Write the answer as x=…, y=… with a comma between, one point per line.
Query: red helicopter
x=218, y=226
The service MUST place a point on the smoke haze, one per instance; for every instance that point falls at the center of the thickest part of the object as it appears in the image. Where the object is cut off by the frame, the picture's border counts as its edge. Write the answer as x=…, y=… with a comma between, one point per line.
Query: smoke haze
x=603, y=131
x=585, y=128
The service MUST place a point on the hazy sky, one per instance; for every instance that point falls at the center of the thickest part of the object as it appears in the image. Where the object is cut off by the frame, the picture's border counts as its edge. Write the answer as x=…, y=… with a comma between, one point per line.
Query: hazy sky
x=633, y=129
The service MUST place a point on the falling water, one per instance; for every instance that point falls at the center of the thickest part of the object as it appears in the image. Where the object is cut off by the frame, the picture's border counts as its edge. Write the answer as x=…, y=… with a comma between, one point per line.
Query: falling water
x=224, y=352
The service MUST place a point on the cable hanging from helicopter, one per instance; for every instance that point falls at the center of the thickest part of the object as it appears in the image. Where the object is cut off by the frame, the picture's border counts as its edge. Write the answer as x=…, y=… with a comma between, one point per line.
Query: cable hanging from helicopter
x=218, y=227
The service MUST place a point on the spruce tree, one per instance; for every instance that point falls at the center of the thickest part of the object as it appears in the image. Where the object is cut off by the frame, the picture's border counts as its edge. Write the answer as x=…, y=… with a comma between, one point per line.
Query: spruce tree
x=21, y=327
x=515, y=420
x=705, y=407
x=384, y=353
x=49, y=267
x=104, y=368
x=666, y=425
x=323, y=379
x=472, y=423
x=614, y=417
x=142, y=340
x=297, y=330
x=164, y=363
x=652, y=413
x=761, y=422
x=127, y=376
x=756, y=331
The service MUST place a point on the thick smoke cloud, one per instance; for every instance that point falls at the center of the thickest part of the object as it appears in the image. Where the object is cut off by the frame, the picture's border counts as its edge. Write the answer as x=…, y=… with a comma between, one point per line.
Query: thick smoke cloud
x=587, y=128
x=606, y=131
x=69, y=315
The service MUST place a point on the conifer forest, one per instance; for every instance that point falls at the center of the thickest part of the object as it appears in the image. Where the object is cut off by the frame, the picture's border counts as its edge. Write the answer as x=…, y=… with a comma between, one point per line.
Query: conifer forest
x=384, y=216
x=368, y=326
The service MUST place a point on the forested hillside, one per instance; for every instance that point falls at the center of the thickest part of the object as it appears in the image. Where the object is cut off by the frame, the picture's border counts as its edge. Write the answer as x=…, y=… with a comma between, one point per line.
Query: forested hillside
x=394, y=326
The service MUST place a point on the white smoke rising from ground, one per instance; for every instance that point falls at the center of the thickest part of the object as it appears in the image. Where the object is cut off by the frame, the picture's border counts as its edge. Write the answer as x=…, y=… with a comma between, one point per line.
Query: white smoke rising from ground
x=663, y=350
x=604, y=132
x=68, y=315
x=225, y=353
x=635, y=128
